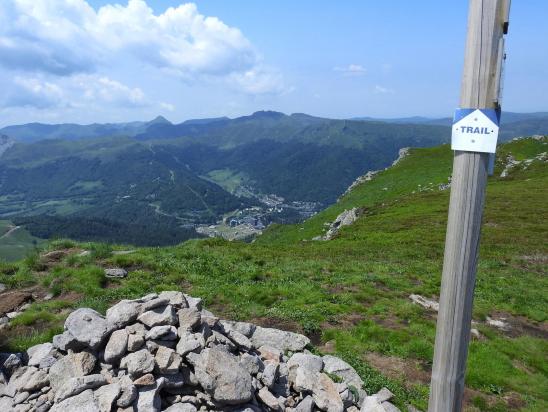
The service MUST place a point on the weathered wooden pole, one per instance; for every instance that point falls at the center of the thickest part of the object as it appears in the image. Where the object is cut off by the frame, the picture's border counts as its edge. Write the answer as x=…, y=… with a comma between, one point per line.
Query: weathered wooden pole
x=487, y=23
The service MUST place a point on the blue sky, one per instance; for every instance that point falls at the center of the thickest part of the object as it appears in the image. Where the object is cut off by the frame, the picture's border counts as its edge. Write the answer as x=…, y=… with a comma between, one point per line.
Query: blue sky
x=107, y=60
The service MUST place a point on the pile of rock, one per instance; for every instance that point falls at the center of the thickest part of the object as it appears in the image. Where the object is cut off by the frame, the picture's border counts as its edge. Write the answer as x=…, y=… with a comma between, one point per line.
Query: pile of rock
x=164, y=352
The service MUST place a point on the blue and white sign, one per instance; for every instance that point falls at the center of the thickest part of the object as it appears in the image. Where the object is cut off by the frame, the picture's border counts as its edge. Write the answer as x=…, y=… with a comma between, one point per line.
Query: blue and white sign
x=475, y=130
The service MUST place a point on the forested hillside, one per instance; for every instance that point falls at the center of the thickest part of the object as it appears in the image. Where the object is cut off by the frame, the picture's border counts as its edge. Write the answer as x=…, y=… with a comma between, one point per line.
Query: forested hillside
x=165, y=181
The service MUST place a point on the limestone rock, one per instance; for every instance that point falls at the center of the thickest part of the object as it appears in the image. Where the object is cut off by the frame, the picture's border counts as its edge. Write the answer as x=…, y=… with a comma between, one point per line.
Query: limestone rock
x=189, y=343
x=189, y=318
x=71, y=366
x=116, y=346
x=138, y=363
x=135, y=342
x=115, y=273
x=181, y=407
x=252, y=363
x=371, y=404
x=66, y=341
x=424, y=302
x=167, y=360
x=306, y=361
x=26, y=378
x=161, y=315
x=148, y=398
x=84, y=402
x=340, y=368
x=43, y=353
x=269, y=400
x=10, y=363
x=270, y=373
x=87, y=327
x=122, y=314
x=325, y=394
x=128, y=392
x=145, y=380
x=346, y=218
x=165, y=332
x=174, y=298
x=306, y=405
x=73, y=386
x=384, y=395
x=305, y=379
x=106, y=395
x=194, y=302
x=279, y=339
x=389, y=407
x=244, y=328
x=222, y=375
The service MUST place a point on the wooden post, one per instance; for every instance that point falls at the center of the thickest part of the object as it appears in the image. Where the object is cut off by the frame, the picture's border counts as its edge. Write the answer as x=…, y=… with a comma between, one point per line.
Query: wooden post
x=487, y=22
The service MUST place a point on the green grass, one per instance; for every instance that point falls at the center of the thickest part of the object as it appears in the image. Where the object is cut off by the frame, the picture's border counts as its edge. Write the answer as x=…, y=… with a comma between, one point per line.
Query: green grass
x=354, y=289
x=17, y=244
x=227, y=179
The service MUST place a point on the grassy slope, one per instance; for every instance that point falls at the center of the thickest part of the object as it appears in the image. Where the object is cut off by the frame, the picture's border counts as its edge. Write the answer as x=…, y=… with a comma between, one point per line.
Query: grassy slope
x=17, y=244
x=353, y=290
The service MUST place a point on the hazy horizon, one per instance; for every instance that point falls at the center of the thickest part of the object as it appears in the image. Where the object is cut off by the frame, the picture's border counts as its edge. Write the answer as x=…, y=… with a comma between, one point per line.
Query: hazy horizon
x=118, y=61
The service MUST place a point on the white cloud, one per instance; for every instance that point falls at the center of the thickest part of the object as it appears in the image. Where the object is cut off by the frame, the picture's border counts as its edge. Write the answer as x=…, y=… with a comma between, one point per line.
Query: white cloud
x=32, y=92
x=104, y=89
x=77, y=91
x=383, y=90
x=351, y=70
x=167, y=106
x=259, y=80
x=63, y=38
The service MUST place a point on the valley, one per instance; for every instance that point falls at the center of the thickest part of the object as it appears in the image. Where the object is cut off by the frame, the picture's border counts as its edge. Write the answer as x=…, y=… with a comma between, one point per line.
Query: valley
x=160, y=183
x=173, y=182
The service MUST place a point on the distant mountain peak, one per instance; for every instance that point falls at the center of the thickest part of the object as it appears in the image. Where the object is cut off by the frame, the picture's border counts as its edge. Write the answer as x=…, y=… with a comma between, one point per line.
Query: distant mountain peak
x=268, y=114
x=159, y=120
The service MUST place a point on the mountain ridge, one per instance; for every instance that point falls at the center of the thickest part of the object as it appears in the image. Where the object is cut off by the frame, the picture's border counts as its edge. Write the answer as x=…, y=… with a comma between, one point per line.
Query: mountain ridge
x=160, y=127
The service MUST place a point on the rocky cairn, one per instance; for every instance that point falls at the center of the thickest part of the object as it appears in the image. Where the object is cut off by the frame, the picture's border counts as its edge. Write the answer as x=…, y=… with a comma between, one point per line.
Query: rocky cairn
x=164, y=352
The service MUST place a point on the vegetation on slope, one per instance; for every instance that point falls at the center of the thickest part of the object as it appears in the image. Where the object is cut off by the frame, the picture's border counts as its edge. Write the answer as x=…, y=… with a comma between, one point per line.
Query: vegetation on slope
x=350, y=294
x=16, y=242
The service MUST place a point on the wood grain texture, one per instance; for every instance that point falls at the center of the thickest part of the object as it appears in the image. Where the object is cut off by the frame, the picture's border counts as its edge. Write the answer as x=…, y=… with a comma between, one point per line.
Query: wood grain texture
x=480, y=86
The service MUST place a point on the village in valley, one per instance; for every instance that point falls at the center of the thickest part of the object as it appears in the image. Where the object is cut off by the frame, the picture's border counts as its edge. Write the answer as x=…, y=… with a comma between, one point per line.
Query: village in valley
x=249, y=222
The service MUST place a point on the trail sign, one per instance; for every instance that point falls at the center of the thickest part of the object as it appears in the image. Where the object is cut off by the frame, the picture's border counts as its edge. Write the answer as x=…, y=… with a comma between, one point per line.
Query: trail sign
x=475, y=130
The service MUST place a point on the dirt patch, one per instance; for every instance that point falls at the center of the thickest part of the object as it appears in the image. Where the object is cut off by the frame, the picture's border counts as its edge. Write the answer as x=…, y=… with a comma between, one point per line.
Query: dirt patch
x=512, y=400
x=537, y=258
x=336, y=289
x=70, y=296
x=520, y=326
x=409, y=370
x=55, y=256
x=413, y=372
x=10, y=301
x=348, y=320
x=315, y=337
x=390, y=322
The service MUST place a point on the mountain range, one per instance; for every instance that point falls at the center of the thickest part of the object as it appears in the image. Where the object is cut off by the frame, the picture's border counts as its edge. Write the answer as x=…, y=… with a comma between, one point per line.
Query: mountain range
x=152, y=182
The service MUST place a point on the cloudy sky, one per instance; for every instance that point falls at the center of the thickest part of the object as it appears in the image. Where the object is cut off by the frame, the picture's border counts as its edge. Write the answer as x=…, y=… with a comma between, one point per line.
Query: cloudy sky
x=90, y=61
